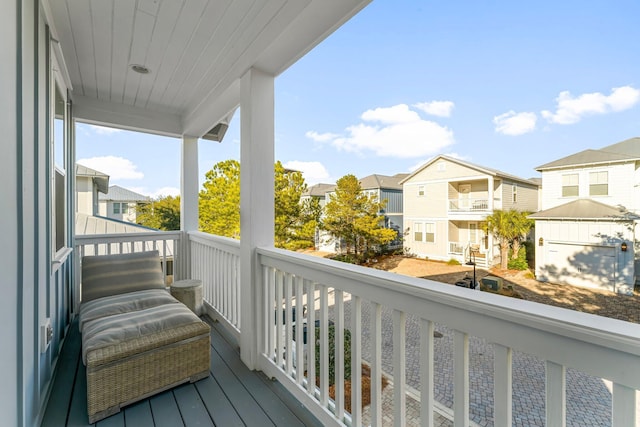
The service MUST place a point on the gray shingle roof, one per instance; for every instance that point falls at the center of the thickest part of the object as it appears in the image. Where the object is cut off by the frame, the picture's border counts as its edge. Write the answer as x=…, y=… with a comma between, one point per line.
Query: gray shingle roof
x=383, y=181
x=483, y=169
x=627, y=150
x=318, y=190
x=123, y=195
x=586, y=209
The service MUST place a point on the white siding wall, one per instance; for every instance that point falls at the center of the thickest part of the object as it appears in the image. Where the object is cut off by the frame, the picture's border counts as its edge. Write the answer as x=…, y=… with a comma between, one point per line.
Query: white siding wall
x=587, y=233
x=84, y=195
x=622, y=191
x=526, y=200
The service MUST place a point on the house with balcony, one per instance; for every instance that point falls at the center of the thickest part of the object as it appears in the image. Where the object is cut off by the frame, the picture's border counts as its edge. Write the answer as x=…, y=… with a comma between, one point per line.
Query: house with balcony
x=446, y=202
x=121, y=203
x=180, y=69
x=587, y=230
x=382, y=187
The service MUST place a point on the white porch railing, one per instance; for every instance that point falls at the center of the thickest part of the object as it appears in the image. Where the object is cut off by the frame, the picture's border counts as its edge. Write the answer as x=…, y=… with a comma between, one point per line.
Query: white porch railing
x=167, y=243
x=216, y=261
x=468, y=205
x=456, y=248
x=560, y=339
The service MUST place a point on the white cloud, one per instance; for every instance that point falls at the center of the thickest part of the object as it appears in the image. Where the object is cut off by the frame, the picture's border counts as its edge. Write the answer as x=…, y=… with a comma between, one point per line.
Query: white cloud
x=395, y=131
x=165, y=191
x=117, y=168
x=104, y=130
x=320, y=137
x=512, y=123
x=571, y=109
x=313, y=172
x=436, y=108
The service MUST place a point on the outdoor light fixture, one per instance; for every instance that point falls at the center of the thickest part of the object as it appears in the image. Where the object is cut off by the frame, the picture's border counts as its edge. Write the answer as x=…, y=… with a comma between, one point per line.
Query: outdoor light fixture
x=540, y=241
x=623, y=247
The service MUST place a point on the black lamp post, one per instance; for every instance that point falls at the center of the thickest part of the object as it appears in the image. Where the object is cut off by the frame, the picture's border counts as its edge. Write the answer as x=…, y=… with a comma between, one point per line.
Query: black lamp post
x=470, y=262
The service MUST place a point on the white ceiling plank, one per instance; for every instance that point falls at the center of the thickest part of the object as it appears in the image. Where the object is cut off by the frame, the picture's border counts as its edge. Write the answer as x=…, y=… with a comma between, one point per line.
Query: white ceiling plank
x=60, y=15
x=142, y=30
x=101, y=18
x=229, y=39
x=256, y=25
x=314, y=24
x=214, y=109
x=80, y=16
x=203, y=33
x=91, y=110
x=149, y=7
x=162, y=34
x=123, y=14
x=183, y=32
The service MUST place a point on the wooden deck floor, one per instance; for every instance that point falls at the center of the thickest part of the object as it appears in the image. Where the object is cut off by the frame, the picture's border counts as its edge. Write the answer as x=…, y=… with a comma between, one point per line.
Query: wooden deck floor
x=231, y=396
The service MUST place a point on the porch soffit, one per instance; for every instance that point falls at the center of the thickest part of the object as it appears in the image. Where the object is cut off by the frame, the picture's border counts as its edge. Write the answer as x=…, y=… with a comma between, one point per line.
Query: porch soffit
x=196, y=50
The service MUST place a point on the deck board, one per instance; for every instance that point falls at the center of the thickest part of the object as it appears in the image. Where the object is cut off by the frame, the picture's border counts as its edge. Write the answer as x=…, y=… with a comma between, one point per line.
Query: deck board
x=231, y=396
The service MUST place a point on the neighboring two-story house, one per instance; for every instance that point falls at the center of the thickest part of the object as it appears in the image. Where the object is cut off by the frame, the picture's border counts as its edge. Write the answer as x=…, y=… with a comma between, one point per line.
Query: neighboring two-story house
x=89, y=183
x=446, y=202
x=121, y=203
x=382, y=187
x=586, y=234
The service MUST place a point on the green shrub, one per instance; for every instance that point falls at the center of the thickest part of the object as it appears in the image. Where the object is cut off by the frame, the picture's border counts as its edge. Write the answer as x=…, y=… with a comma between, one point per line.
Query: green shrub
x=332, y=354
x=348, y=258
x=453, y=261
x=519, y=263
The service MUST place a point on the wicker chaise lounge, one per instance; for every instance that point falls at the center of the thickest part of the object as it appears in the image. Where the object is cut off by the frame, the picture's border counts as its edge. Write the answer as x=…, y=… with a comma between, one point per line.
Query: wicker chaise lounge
x=137, y=340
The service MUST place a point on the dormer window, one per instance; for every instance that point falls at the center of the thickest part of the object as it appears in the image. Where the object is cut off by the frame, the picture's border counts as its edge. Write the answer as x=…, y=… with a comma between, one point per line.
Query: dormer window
x=599, y=183
x=570, y=185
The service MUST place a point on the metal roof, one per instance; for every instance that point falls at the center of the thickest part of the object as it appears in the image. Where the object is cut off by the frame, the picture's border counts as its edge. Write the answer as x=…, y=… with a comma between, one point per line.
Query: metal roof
x=121, y=194
x=101, y=179
x=586, y=209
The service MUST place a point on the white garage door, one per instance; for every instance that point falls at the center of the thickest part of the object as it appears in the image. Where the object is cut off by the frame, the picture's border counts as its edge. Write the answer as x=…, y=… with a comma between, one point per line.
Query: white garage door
x=581, y=265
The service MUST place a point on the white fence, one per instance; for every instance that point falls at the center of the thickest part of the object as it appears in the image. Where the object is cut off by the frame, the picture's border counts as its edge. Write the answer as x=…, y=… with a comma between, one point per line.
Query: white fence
x=216, y=261
x=560, y=339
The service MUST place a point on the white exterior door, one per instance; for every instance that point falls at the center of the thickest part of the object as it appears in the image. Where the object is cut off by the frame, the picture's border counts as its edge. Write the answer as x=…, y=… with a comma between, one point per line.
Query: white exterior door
x=581, y=265
x=463, y=195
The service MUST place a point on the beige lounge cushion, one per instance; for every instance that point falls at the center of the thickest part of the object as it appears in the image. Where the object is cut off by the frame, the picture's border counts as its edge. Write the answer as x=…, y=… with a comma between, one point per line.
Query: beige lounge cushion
x=105, y=275
x=118, y=328
x=123, y=303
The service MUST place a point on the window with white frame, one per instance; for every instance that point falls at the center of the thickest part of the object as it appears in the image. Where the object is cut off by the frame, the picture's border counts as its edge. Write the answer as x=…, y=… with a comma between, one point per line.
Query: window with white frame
x=116, y=208
x=599, y=183
x=429, y=232
x=417, y=231
x=570, y=185
x=424, y=232
x=514, y=193
x=420, y=190
x=59, y=175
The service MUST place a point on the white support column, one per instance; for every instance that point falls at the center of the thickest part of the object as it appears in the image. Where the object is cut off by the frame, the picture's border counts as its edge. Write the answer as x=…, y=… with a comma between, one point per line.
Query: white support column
x=491, y=196
x=188, y=202
x=189, y=184
x=256, y=201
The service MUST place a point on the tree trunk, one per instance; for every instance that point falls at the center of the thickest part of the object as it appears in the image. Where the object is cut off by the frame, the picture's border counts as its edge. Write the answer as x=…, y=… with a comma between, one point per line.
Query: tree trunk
x=515, y=245
x=504, y=254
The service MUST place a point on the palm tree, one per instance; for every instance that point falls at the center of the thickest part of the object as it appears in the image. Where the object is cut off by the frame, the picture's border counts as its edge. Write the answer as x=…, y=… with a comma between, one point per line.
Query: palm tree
x=521, y=226
x=501, y=225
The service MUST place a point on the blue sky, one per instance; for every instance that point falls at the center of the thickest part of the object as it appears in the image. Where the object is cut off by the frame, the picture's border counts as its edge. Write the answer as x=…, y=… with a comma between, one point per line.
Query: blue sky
x=507, y=85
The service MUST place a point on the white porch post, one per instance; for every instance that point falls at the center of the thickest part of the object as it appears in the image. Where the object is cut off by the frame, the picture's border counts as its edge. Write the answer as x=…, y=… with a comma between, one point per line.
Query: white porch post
x=256, y=202
x=188, y=200
x=490, y=192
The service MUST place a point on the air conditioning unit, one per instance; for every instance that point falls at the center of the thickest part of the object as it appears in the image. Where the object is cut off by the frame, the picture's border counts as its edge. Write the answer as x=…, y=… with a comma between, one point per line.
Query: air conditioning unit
x=491, y=284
